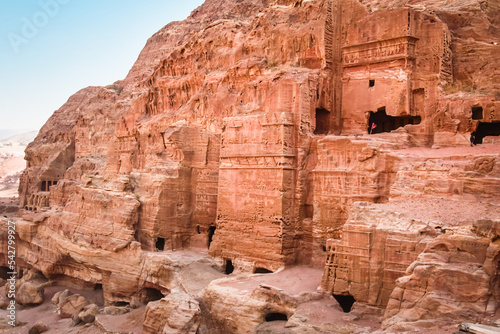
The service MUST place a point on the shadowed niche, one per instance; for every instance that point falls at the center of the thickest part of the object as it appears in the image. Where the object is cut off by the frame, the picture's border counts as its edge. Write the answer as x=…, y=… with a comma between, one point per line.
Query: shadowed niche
x=345, y=301
x=276, y=317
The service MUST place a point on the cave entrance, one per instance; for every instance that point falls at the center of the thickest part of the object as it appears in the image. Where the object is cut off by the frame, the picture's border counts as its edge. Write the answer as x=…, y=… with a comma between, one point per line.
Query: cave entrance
x=380, y=122
x=477, y=113
x=160, y=244
x=151, y=295
x=211, y=232
x=322, y=122
x=486, y=129
x=229, y=268
x=44, y=186
x=260, y=270
x=345, y=301
x=276, y=317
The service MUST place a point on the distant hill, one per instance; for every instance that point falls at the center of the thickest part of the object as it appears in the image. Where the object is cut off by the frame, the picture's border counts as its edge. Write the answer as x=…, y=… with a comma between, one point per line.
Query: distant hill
x=6, y=133
x=22, y=139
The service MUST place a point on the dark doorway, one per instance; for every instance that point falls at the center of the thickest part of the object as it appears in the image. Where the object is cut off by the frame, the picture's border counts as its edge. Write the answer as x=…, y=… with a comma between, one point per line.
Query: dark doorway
x=151, y=295
x=380, y=122
x=371, y=83
x=98, y=287
x=160, y=244
x=276, y=317
x=44, y=185
x=477, y=113
x=486, y=129
x=345, y=301
x=211, y=232
x=260, y=270
x=229, y=268
x=322, y=122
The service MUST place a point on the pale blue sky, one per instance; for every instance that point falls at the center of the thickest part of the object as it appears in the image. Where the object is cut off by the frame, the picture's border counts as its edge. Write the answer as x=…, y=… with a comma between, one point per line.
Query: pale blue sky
x=49, y=49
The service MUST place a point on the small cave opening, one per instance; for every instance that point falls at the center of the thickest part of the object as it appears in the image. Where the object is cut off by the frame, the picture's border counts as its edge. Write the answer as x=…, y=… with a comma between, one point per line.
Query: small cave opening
x=260, y=270
x=198, y=229
x=380, y=122
x=371, y=83
x=98, y=287
x=121, y=304
x=228, y=265
x=477, y=113
x=211, y=232
x=274, y=316
x=322, y=122
x=151, y=295
x=323, y=248
x=345, y=301
x=44, y=186
x=160, y=244
x=486, y=129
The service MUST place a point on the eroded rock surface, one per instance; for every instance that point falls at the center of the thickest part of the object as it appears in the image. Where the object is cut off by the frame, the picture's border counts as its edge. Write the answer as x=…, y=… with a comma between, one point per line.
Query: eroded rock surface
x=274, y=134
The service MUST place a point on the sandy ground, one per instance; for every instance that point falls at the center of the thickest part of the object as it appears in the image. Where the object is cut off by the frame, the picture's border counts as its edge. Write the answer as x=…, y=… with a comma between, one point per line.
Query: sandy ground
x=324, y=314
x=293, y=280
x=46, y=313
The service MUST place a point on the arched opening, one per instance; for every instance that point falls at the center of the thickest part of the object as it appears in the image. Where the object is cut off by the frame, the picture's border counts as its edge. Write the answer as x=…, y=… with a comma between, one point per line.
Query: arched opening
x=260, y=270
x=322, y=122
x=151, y=295
x=276, y=317
x=345, y=301
x=380, y=122
x=160, y=244
x=211, y=232
x=229, y=268
x=486, y=129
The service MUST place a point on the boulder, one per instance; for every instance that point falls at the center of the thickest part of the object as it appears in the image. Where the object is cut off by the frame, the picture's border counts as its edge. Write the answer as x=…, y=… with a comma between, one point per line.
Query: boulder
x=177, y=313
x=73, y=304
x=30, y=293
x=87, y=315
x=116, y=310
x=38, y=328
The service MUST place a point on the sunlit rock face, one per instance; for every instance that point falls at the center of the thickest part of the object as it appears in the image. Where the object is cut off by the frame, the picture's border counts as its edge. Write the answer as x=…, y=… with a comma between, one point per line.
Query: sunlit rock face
x=276, y=133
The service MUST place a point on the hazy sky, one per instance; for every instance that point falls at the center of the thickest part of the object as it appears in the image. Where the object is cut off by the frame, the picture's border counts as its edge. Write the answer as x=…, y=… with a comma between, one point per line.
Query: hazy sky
x=49, y=49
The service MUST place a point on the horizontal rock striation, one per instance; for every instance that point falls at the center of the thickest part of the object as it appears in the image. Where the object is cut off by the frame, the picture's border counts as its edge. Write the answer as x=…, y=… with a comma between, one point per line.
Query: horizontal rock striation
x=334, y=134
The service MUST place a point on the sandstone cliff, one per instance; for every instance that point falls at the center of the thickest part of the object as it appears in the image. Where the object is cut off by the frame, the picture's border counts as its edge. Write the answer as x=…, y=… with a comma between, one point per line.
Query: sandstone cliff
x=326, y=133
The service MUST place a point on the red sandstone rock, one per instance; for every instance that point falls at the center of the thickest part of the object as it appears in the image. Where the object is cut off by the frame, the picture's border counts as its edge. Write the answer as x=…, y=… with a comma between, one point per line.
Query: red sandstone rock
x=225, y=136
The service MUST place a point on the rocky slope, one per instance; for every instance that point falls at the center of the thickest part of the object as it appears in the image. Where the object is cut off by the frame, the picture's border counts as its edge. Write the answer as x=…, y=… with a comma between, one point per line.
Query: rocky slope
x=322, y=133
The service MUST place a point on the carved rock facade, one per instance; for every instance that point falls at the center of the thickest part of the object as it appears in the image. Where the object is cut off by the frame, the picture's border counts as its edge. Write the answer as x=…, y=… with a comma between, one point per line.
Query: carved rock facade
x=253, y=132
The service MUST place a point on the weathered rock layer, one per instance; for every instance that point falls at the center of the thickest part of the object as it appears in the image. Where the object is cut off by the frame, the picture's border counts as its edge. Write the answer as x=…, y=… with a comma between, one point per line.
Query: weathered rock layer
x=254, y=129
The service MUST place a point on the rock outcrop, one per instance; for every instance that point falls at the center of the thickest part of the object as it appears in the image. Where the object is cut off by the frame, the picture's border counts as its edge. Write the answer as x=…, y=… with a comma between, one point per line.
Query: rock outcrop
x=281, y=133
